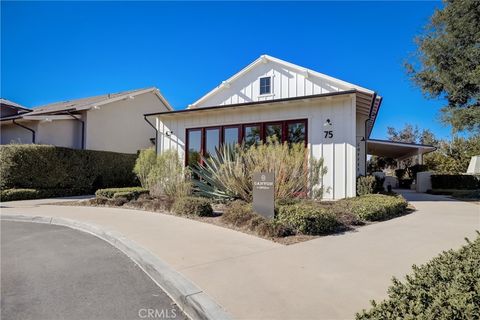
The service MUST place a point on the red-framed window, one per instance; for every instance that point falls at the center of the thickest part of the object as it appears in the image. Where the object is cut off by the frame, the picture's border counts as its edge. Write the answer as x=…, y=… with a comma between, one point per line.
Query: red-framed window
x=203, y=141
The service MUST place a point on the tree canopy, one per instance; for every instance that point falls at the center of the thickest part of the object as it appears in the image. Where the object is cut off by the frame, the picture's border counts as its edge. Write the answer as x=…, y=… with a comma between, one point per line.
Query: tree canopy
x=447, y=62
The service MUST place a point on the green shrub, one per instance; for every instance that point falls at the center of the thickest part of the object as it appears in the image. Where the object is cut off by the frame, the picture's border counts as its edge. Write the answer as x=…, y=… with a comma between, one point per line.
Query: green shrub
x=287, y=202
x=308, y=218
x=375, y=207
x=193, y=206
x=365, y=185
x=168, y=177
x=19, y=194
x=28, y=194
x=240, y=214
x=416, y=168
x=445, y=288
x=49, y=167
x=129, y=192
x=228, y=174
x=143, y=166
x=455, y=181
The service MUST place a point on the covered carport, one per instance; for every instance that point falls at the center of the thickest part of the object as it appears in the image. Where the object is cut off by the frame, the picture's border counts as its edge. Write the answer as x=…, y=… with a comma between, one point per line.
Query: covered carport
x=398, y=150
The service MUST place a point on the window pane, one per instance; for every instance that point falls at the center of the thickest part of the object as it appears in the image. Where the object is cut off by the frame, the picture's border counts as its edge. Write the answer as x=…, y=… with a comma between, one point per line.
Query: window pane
x=252, y=135
x=212, y=141
x=194, y=143
x=265, y=85
x=274, y=131
x=230, y=135
x=296, y=132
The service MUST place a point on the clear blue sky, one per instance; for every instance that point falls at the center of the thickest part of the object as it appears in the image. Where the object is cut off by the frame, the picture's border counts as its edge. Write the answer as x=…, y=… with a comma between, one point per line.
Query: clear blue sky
x=62, y=50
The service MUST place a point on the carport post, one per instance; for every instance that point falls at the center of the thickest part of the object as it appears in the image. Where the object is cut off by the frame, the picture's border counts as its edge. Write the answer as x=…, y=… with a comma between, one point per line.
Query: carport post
x=420, y=157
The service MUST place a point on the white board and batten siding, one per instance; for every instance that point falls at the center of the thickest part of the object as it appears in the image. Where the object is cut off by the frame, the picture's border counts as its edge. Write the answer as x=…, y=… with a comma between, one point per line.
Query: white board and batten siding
x=286, y=83
x=338, y=152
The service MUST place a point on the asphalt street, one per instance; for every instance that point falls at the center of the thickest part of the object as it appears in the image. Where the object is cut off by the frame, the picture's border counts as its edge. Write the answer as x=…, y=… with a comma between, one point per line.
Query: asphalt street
x=53, y=272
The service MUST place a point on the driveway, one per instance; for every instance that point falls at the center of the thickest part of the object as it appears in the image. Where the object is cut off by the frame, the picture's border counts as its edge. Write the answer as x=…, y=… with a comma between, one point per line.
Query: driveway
x=52, y=272
x=329, y=277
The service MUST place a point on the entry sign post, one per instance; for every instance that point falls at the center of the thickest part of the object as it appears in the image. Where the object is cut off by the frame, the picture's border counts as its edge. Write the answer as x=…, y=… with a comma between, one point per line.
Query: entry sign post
x=264, y=194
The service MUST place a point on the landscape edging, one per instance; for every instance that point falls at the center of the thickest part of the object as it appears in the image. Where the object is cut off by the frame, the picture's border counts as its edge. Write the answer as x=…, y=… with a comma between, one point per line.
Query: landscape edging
x=189, y=297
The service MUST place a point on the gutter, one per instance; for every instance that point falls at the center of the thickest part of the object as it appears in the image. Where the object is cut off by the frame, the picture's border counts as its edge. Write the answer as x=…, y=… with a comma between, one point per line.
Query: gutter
x=156, y=133
x=374, y=97
x=27, y=128
x=253, y=103
x=83, y=128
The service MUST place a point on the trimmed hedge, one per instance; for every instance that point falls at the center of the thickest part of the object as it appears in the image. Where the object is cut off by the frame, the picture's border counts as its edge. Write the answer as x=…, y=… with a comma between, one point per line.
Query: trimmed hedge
x=28, y=194
x=51, y=167
x=446, y=288
x=129, y=193
x=375, y=207
x=193, y=206
x=455, y=181
x=308, y=218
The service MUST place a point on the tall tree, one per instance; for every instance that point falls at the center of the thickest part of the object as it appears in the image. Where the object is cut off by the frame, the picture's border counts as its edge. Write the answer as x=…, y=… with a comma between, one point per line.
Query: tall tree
x=412, y=134
x=447, y=62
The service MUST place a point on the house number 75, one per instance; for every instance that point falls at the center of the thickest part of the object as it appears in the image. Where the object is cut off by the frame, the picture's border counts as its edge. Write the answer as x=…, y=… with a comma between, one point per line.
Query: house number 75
x=328, y=134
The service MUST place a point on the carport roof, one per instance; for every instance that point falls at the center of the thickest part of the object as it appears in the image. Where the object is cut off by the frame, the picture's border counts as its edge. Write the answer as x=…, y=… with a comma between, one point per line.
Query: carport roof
x=396, y=150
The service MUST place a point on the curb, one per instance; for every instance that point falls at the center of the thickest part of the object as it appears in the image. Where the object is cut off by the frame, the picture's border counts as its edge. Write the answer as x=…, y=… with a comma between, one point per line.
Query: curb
x=188, y=296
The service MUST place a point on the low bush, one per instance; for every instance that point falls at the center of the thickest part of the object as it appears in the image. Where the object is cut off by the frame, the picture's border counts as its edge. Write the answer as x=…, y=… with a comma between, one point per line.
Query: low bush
x=19, y=194
x=306, y=218
x=455, y=181
x=369, y=185
x=445, y=288
x=129, y=193
x=50, y=167
x=28, y=194
x=375, y=207
x=193, y=206
x=241, y=215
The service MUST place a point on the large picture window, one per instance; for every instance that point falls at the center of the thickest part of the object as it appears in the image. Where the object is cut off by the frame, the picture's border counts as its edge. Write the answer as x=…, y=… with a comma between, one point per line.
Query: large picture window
x=204, y=141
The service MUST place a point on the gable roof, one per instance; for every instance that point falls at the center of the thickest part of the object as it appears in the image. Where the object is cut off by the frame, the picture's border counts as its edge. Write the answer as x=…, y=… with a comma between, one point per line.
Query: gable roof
x=13, y=105
x=91, y=102
x=266, y=58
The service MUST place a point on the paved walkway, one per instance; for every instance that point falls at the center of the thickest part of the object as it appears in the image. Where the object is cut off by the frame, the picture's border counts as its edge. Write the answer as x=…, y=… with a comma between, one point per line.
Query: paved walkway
x=329, y=277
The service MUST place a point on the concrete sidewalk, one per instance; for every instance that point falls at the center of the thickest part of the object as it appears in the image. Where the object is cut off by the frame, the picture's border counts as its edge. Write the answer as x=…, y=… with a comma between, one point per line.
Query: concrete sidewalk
x=326, y=278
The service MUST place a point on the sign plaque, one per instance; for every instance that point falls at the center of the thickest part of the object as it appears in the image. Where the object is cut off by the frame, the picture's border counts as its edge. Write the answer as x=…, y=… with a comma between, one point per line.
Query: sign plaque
x=264, y=194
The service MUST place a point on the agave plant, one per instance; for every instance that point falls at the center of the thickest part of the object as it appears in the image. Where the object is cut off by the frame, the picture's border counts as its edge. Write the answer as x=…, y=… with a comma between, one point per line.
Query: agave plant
x=228, y=174
x=224, y=175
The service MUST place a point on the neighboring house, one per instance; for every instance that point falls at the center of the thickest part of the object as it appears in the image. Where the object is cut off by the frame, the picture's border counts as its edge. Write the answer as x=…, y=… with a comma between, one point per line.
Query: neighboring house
x=111, y=122
x=270, y=97
x=16, y=133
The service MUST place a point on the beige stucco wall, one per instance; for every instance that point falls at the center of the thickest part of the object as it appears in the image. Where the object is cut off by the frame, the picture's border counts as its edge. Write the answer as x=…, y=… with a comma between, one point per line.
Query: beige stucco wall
x=120, y=126
x=60, y=133
x=11, y=133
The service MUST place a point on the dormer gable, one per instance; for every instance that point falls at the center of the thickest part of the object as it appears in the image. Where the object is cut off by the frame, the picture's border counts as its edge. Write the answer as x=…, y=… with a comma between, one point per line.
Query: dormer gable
x=269, y=78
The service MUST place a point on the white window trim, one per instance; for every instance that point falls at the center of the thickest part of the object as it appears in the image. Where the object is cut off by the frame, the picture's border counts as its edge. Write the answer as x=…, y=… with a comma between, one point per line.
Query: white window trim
x=271, y=87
